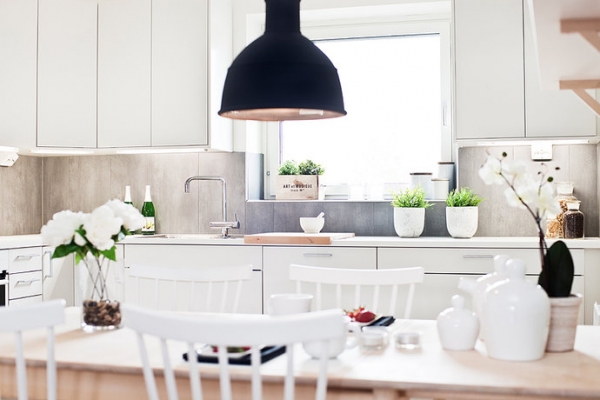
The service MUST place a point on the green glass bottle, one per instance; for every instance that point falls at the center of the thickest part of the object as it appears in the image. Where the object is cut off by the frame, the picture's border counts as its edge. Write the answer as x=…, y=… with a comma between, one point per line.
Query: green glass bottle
x=148, y=213
x=128, y=195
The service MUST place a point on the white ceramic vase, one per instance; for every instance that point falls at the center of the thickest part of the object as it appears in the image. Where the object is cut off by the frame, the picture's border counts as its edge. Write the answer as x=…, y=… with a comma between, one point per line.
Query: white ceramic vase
x=461, y=222
x=409, y=221
x=457, y=326
x=516, y=317
x=477, y=288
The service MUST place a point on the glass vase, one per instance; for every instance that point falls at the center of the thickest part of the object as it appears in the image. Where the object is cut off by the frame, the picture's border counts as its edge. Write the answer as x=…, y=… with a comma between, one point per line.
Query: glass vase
x=98, y=311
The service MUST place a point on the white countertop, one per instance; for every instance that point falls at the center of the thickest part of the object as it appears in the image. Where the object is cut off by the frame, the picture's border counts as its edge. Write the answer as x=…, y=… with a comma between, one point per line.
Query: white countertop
x=372, y=241
x=16, y=241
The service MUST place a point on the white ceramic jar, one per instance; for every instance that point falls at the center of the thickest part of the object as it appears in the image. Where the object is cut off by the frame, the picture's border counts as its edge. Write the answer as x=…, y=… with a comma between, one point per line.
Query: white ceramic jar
x=457, y=326
x=516, y=317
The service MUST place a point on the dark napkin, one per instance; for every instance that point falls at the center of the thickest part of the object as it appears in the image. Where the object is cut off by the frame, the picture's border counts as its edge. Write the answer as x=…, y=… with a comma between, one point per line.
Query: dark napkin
x=266, y=354
x=383, y=321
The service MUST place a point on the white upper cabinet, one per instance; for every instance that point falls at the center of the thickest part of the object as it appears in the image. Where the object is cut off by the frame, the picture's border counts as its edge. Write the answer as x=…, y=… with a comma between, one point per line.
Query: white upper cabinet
x=191, y=51
x=124, y=67
x=67, y=73
x=498, y=92
x=18, y=47
x=179, y=72
x=489, y=69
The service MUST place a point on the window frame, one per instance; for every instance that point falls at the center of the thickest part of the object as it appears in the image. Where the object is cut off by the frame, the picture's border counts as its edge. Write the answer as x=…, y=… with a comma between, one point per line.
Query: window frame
x=331, y=29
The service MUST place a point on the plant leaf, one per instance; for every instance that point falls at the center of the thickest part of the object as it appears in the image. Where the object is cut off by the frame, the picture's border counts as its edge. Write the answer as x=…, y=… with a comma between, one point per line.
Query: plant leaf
x=64, y=250
x=557, y=275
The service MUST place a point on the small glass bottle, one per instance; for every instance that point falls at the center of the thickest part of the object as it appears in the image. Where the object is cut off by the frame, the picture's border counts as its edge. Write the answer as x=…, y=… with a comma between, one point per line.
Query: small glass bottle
x=564, y=194
x=148, y=213
x=573, y=221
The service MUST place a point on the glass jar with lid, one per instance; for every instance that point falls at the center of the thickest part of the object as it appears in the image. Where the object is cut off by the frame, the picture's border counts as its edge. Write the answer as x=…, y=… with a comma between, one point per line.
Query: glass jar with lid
x=564, y=194
x=573, y=221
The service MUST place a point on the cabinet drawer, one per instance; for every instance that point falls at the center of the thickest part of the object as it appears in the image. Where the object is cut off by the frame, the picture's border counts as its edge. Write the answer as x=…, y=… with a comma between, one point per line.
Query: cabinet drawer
x=464, y=261
x=278, y=259
x=25, y=259
x=25, y=284
x=25, y=301
x=3, y=260
x=342, y=257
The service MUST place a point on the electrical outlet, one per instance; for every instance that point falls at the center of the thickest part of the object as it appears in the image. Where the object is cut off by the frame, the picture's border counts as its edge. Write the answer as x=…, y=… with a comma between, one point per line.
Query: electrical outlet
x=541, y=151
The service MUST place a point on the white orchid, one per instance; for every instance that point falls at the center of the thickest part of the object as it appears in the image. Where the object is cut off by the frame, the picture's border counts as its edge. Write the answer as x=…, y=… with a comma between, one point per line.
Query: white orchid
x=524, y=191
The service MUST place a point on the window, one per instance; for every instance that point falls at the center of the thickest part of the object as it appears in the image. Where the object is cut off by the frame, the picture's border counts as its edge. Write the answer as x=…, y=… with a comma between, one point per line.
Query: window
x=397, y=93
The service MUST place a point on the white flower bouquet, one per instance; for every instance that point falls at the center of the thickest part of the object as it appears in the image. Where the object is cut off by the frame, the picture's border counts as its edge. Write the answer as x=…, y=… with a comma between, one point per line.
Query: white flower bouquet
x=92, y=237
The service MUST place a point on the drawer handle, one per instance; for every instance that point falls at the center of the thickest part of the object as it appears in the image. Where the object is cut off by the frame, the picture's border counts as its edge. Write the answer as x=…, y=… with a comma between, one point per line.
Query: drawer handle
x=478, y=256
x=318, y=255
x=27, y=281
x=22, y=257
x=50, y=273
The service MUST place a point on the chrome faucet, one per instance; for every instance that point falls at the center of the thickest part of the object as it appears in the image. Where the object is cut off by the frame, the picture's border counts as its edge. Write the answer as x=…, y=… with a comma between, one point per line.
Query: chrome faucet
x=224, y=224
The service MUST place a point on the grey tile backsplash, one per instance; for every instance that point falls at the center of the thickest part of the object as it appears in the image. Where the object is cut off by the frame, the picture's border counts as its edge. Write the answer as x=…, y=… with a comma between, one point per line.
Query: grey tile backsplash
x=34, y=188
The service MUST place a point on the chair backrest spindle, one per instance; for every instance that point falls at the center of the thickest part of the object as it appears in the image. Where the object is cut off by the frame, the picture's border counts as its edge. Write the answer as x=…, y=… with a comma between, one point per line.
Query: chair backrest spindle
x=359, y=279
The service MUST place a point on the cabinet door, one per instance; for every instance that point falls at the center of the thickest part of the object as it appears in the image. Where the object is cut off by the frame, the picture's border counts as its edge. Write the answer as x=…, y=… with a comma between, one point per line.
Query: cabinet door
x=67, y=73
x=551, y=113
x=58, y=276
x=489, y=69
x=278, y=259
x=124, y=33
x=201, y=257
x=179, y=72
x=18, y=47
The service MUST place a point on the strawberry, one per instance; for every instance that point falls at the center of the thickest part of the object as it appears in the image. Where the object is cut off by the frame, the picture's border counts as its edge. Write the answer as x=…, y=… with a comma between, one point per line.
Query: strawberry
x=364, y=316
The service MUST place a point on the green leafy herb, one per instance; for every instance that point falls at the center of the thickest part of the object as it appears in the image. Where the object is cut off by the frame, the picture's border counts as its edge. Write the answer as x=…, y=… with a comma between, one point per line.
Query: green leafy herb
x=463, y=197
x=414, y=198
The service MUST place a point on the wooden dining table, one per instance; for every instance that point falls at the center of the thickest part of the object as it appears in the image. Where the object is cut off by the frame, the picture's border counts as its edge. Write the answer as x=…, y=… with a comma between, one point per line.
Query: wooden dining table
x=106, y=365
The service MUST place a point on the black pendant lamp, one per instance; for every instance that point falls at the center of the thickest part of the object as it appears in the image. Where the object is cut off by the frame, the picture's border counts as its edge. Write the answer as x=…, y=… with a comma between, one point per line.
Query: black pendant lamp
x=282, y=75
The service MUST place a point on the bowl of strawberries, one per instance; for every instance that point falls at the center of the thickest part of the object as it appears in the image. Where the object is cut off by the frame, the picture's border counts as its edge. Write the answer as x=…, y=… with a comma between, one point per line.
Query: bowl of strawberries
x=361, y=315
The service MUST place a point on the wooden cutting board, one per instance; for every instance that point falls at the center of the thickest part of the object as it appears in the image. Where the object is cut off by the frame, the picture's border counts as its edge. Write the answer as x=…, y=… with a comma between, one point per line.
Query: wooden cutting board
x=295, y=238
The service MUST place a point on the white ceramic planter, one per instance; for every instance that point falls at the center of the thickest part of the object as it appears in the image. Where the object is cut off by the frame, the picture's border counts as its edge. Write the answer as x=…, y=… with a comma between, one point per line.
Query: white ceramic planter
x=516, y=317
x=461, y=222
x=409, y=221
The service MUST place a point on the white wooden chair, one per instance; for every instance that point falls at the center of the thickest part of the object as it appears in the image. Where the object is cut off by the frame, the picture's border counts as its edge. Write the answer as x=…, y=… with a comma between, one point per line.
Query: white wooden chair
x=324, y=278
x=596, y=313
x=231, y=330
x=18, y=319
x=202, y=288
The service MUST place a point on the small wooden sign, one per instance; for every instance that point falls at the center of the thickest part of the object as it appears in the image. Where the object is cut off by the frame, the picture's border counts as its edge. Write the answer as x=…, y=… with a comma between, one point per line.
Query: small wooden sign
x=297, y=187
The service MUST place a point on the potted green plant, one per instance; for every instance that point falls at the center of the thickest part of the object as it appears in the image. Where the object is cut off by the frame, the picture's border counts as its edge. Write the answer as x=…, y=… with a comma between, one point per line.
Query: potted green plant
x=462, y=213
x=299, y=181
x=409, y=212
x=536, y=196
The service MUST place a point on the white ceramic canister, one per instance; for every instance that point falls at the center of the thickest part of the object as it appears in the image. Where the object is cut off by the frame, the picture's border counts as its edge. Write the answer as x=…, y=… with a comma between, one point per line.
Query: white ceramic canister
x=446, y=170
x=439, y=188
x=457, y=326
x=516, y=317
x=422, y=179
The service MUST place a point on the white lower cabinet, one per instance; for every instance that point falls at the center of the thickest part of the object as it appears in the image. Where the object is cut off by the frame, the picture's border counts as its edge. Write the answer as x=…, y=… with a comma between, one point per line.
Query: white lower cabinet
x=444, y=268
x=25, y=275
x=278, y=259
x=199, y=256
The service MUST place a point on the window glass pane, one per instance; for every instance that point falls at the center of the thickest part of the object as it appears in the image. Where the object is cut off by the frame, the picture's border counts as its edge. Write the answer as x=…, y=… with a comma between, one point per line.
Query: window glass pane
x=392, y=95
